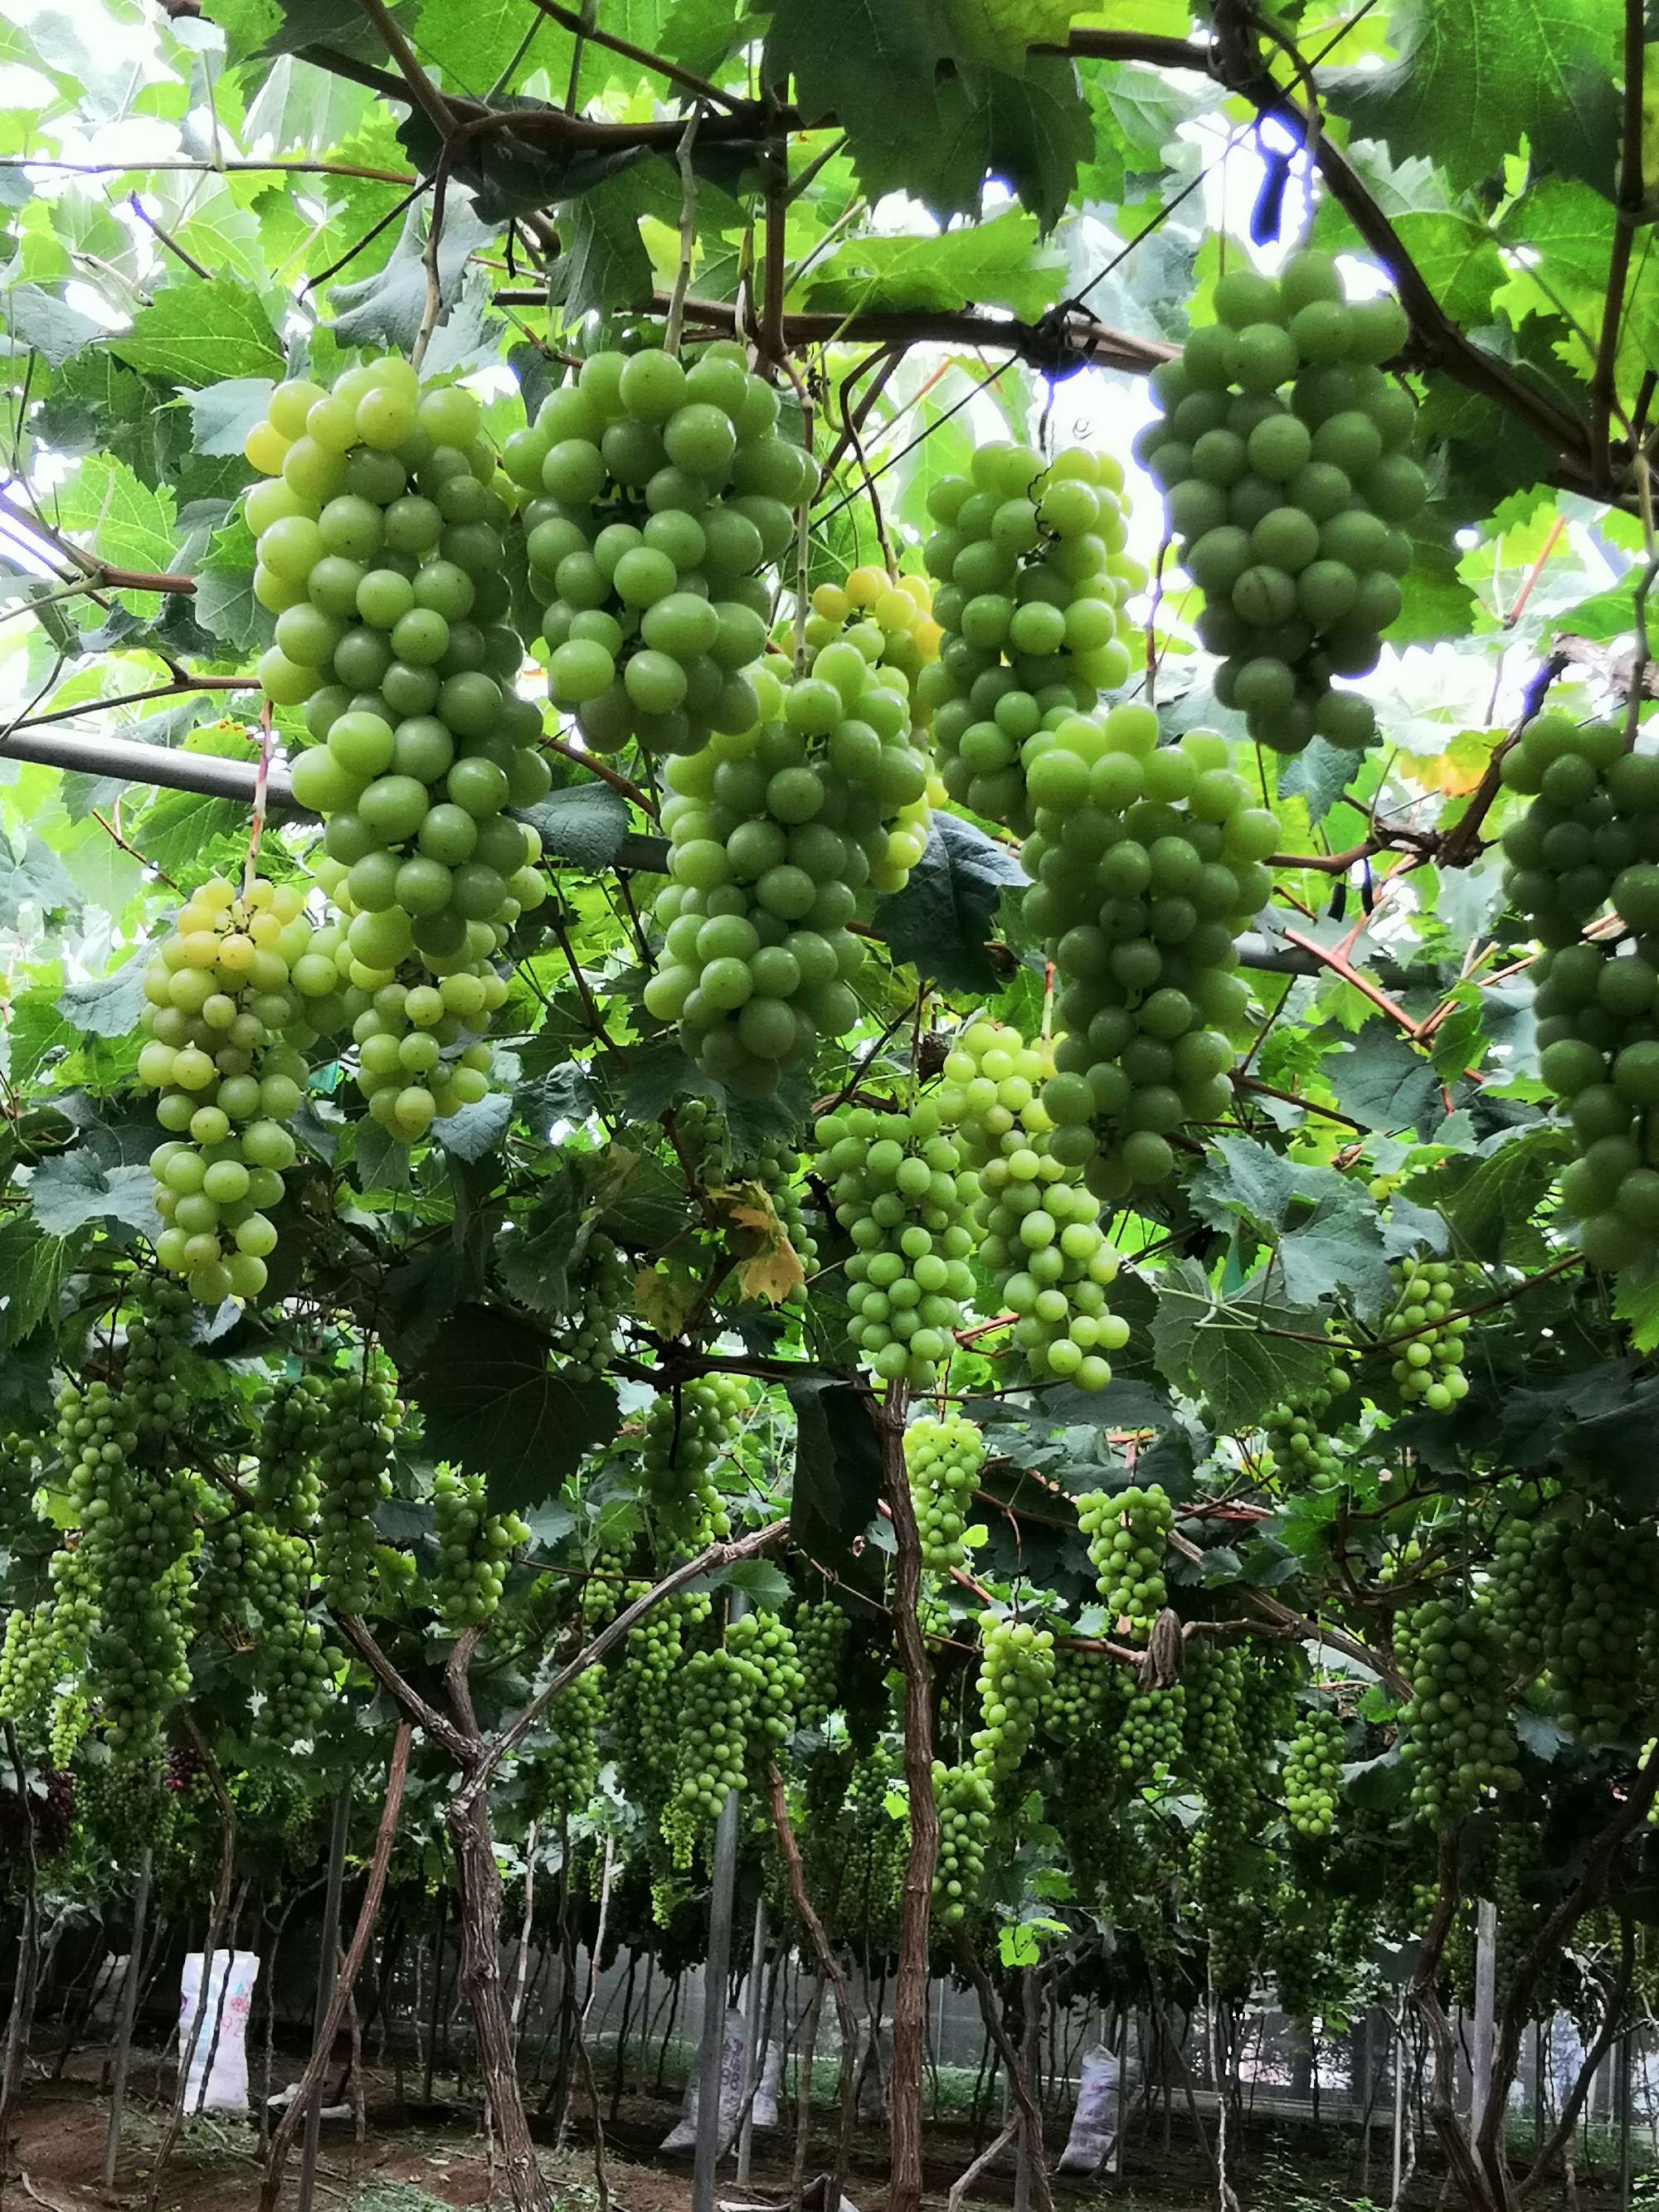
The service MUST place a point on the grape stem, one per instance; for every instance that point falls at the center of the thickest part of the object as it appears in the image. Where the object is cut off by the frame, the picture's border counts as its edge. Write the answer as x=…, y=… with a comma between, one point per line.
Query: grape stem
x=833, y=1972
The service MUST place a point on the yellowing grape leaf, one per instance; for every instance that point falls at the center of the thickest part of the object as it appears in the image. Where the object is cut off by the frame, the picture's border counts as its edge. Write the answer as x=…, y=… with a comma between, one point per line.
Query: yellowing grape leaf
x=775, y=1270
x=1457, y=771
x=662, y=1299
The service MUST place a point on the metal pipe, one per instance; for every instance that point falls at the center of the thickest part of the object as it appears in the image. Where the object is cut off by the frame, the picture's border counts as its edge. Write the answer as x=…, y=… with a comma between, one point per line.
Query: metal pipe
x=717, y=1962
x=756, y=2031
x=328, y=1966
x=117, y=2095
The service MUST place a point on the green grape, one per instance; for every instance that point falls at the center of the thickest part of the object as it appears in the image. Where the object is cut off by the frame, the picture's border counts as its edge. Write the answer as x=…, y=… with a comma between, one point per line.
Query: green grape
x=664, y=496
x=1586, y=841
x=1298, y=1950
x=225, y=1026
x=1016, y=1667
x=1524, y=1590
x=901, y=1191
x=1146, y=861
x=1126, y=1533
x=644, y=1710
x=1598, y=1619
x=1040, y=1234
x=474, y=1548
x=1149, y=1735
x=138, y=1528
x=600, y=1599
x=1429, y=1364
x=361, y=1418
x=290, y=1437
x=1457, y=1739
x=718, y=1690
x=603, y=1285
x=388, y=563
x=1032, y=578
x=1082, y=1703
x=964, y=1800
x=821, y=1642
x=688, y=1431
x=769, y=1643
x=943, y=1458
x=294, y=1666
x=562, y=1773
x=1313, y=1773
x=1289, y=507
x=1299, y=1432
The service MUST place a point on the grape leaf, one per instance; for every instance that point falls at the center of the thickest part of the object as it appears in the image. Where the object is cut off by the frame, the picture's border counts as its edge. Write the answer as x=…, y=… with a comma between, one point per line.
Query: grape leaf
x=198, y=334
x=57, y=331
x=940, y=921
x=221, y=415
x=33, y=1265
x=999, y=262
x=68, y=1192
x=493, y=1405
x=585, y=823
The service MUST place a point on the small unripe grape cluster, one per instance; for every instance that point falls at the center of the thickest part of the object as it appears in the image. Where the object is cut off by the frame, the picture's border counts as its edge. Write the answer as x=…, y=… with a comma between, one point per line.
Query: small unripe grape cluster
x=1524, y=1590
x=1081, y=1697
x=769, y=1642
x=1599, y=1624
x=1041, y=1240
x=943, y=1458
x=965, y=1802
x=774, y=829
x=1126, y=1531
x=820, y=1641
x=474, y=1548
x=602, y=1291
x=1149, y=1735
x=564, y=1769
x=1290, y=511
x=362, y=1421
x=1213, y=1678
x=1031, y=581
x=290, y=1437
x=1313, y=1773
x=902, y=1195
x=1146, y=861
x=777, y=1167
x=219, y=997
x=659, y=492
x=645, y=1709
x=1591, y=835
x=1017, y=1663
x=687, y=1431
x=1429, y=1365
x=421, y=1052
x=1457, y=1741
x=1298, y=1433
x=380, y=552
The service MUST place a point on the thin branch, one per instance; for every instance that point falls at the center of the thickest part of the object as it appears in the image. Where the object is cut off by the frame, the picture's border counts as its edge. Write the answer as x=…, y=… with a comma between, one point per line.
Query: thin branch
x=293, y=165
x=1627, y=215
x=688, y=80
x=676, y=322
x=425, y=94
x=433, y=307
x=167, y=238
x=604, y=772
x=442, y=1731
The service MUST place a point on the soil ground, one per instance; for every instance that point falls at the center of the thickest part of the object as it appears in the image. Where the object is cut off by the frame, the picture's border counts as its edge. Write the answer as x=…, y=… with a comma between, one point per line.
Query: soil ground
x=436, y=2161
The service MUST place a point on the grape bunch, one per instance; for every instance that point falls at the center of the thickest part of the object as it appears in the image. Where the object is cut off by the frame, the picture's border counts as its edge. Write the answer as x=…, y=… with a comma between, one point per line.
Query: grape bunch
x=564, y=1769
x=1524, y=1590
x=1299, y=1432
x=964, y=1797
x=1017, y=1663
x=602, y=1290
x=362, y=1418
x=1589, y=837
x=1598, y=1624
x=291, y=1431
x=888, y=619
x=1313, y=1773
x=380, y=553
x=1149, y=1733
x=1213, y=1680
x=1457, y=1739
x=1031, y=578
x=774, y=829
x=689, y=1431
x=660, y=493
x=1290, y=511
x=1146, y=861
x=30, y=1670
x=293, y=1667
x=1081, y=1697
x=769, y=1643
x=943, y=1458
x=46, y=1647
x=420, y=1046
x=1126, y=1533
x=718, y=1690
x=777, y=1170
x=900, y=1191
x=1430, y=1363
x=821, y=1641
x=474, y=1548
x=222, y=1017
x=1040, y=1234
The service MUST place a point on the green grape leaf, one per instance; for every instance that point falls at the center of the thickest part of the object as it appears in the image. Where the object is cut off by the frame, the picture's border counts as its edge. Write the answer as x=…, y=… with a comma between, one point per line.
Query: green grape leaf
x=472, y=1130
x=1381, y=1082
x=1489, y=1197
x=940, y=922
x=1223, y=1352
x=31, y=874
x=221, y=415
x=109, y=1005
x=605, y=265
x=224, y=604
x=199, y=334
x=57, y=331
x=1325, y=1225
x=66, y=1193
x=1319, y=775
x=492, y=1405
x=584, y=824
x=1478, y=75
x=388, y=308
x=999, y=262
x=33, y=1266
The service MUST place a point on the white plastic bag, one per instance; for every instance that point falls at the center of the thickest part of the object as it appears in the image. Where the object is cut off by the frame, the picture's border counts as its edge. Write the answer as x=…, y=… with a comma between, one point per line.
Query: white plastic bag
x=1094, y=2124
x=766, y=2091
x=734, y=2087
x=222, y=2087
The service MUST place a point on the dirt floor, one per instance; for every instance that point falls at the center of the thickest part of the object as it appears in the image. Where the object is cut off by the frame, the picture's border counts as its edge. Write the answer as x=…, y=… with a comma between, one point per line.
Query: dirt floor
x=433, y=2160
